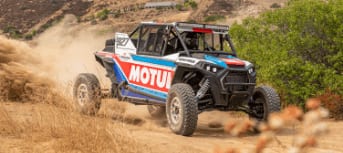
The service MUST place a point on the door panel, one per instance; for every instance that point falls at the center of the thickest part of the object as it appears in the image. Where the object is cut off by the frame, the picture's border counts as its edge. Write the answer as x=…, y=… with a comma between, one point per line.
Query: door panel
x=150, y=75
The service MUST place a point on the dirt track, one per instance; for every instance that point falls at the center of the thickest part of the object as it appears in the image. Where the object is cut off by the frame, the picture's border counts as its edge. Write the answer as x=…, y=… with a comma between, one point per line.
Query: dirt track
x=150, y=133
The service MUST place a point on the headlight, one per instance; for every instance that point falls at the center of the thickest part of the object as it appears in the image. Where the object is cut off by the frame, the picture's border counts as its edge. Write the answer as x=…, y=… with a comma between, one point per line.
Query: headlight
x=210, y=67
x=251, y=70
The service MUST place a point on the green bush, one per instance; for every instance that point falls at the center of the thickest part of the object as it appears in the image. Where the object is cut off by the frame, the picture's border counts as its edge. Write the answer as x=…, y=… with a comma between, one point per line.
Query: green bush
x=297, y=49
x=13, y=32
x=179, y=7
x=103, y=14
x=191, y=3
x=275, y=5
x=213, y=18
x=30, y=35
x=191, y=21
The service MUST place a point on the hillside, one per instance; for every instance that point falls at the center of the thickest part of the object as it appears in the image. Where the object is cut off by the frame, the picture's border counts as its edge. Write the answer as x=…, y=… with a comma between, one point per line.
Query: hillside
x=27, y=18
x=21, y=16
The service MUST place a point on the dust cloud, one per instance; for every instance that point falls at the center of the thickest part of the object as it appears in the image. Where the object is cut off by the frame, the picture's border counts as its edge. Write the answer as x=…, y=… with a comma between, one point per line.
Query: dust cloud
x=52, y=60
x=67, y=49
x=19, y=75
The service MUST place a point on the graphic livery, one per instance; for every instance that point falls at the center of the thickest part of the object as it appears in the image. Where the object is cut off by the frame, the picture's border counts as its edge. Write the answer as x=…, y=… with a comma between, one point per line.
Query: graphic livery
x=145, y=75
x=179, y=70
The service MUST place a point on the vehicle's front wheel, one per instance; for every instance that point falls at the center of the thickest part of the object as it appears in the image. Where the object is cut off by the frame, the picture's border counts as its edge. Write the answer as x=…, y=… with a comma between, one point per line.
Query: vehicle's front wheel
x=265, y=101
x=87, y=94
x=182, y=109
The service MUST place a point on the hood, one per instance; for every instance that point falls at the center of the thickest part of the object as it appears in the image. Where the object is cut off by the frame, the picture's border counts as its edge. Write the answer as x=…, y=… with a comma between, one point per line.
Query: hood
x=227, y=61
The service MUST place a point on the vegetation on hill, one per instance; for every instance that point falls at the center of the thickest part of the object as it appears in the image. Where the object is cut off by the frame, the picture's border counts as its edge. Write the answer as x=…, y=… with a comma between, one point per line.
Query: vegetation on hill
x=297, y=49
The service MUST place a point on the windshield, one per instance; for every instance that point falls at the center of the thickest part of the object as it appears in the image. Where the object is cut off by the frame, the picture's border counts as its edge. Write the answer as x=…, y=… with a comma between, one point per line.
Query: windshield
x=206, y=41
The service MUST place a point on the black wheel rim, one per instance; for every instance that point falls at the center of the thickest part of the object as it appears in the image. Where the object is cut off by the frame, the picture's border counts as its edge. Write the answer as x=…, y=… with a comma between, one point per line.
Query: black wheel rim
x=258, y=107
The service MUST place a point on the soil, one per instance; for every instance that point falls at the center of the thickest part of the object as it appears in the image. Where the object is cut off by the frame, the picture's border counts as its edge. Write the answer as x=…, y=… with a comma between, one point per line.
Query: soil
x=23, y=15
x=154, y=134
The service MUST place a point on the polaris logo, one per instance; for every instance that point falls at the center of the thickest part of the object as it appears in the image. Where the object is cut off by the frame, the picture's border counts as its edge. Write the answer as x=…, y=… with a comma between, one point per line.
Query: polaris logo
x=157, y=78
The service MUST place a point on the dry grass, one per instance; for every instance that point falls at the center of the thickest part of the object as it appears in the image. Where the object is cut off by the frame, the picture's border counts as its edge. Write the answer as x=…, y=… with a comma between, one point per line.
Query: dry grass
x=7, y=126
x=65, y=131
x=334, y=103
x=47, y=128
x=116, y=110
x=311, y=123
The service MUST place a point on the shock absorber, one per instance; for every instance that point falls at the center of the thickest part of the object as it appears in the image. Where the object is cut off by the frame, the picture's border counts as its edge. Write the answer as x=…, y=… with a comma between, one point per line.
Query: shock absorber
x=204, y=86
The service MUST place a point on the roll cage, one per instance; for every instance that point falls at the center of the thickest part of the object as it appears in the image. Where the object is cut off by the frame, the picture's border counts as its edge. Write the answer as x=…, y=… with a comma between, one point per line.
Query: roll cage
x=158, y=39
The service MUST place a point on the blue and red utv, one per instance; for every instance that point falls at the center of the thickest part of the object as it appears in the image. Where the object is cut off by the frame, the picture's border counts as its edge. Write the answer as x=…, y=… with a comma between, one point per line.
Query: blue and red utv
x=178, y=70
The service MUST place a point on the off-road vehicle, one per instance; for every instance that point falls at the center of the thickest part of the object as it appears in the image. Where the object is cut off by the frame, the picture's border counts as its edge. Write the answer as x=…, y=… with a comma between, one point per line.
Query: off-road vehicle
x=178, y=70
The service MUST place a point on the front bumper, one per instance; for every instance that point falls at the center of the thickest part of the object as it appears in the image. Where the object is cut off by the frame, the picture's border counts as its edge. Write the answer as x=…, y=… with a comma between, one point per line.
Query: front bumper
x=232, y=86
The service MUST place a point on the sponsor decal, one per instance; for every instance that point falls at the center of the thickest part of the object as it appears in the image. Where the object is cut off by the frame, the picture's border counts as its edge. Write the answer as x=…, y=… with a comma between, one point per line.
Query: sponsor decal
x=147, y=76
x=122, y=41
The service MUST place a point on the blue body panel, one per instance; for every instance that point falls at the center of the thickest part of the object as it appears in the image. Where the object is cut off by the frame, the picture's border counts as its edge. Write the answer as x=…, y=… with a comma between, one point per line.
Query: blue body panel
x=119, y=75
x=149, y=91
x=153, y=61
x=216, y=61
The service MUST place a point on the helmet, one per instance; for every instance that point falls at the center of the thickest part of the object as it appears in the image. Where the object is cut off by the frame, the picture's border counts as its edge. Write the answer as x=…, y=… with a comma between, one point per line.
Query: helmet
x=191, y=41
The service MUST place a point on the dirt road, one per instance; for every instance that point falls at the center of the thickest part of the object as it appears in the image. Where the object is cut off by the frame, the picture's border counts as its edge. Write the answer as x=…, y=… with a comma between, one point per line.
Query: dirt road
x=152, y=135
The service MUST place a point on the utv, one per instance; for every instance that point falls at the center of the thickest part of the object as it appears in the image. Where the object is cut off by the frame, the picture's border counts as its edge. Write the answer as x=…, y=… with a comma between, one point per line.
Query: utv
x=178, y=70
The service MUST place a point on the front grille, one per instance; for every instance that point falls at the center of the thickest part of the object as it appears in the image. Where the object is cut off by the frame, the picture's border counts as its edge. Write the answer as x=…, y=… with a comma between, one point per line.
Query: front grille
x=236, y=66
x=237, y=77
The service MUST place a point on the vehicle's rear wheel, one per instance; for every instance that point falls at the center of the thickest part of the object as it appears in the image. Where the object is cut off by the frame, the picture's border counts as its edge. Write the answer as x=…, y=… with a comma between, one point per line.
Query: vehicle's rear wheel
x=87, y=94
x=157, y=111
x=265, y=101
x=182, y=109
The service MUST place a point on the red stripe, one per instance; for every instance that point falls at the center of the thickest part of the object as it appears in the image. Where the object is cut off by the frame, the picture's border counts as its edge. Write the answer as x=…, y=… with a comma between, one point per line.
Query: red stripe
x=234, y=62
x=202, y=30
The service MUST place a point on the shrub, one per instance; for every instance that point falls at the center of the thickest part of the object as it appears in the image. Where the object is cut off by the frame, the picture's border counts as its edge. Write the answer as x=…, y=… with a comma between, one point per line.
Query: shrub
x=116, y=14
x=49, y=24
x=30, y=35
x=191, y=21
x=213, y=18
x=103, y=14
x=179, y=7
x=191, y=3
x=297, y=49
x=275, y=5
x=12, y=32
